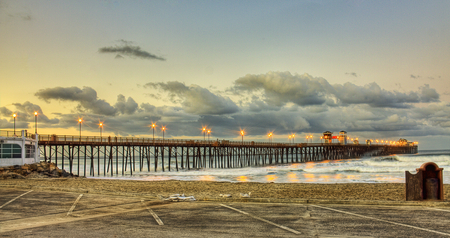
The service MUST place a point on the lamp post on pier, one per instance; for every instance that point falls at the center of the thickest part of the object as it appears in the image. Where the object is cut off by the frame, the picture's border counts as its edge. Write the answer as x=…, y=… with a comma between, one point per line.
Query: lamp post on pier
x=293, y=137
x=209, y=133
x=242, y=134
x=14, y=116
x=204, y=133
x=163, y=130
x=80, y=120
x=101, y=127
x=35, y=122
x=153, y=127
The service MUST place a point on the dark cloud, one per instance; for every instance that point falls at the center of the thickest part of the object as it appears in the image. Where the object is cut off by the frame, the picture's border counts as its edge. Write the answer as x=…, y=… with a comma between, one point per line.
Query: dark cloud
x=195, y=99
x=278, y=102
x=87, y=98
x=126, y=107
x=127, y=49
x=5, y=112
x=280, y=88
x=352, y=74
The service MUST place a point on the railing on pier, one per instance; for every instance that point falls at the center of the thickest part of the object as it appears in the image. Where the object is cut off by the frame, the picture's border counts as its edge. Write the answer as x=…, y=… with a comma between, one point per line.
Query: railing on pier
x=108, y=156
x=18, y=133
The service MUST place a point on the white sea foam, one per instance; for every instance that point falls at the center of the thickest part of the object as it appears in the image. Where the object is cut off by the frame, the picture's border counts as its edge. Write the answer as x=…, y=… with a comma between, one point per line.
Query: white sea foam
x=385, y=169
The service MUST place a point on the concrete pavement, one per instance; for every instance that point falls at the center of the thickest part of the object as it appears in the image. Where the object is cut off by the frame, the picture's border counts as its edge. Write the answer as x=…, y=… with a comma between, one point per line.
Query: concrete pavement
x=62, y=214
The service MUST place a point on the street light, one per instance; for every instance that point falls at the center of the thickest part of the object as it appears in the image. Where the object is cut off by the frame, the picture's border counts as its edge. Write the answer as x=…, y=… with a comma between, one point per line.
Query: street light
x=101, y=127
x=290, y=139
x=204, y=133
x=35, y=122
x=14, y=116
x=153, y=127
x=209, y=133
x=242, y=134
x=80, y=120
x=270, y=135
x=163, y=128
x=293, y=137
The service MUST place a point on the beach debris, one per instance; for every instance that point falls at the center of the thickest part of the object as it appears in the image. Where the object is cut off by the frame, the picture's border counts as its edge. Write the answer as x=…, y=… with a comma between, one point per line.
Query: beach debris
x=179, y=198
x=245, y=195
x=225, y=195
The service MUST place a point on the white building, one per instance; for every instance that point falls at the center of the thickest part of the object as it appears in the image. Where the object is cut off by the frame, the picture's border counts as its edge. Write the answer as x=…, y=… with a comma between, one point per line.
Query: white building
x=18, y=150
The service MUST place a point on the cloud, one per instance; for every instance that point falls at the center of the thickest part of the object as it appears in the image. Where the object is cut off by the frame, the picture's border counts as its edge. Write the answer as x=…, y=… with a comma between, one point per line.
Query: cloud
x=352, y=74
x=25, y=115
x=127, y=49
x=195, y=99
x=126, y=107
x=278, y=102
x=280, y=88
x=86, y=97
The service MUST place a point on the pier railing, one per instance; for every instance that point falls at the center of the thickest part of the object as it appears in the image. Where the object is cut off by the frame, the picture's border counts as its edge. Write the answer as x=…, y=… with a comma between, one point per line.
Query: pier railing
x=18, y=133
x=145, y=140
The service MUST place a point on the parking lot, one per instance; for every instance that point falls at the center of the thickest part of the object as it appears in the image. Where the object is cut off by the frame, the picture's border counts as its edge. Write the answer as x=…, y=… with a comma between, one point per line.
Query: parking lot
x=58, y=214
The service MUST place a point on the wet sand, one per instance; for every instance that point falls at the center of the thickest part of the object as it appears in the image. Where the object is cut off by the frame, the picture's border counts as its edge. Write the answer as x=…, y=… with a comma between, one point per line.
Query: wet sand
x=207, y=189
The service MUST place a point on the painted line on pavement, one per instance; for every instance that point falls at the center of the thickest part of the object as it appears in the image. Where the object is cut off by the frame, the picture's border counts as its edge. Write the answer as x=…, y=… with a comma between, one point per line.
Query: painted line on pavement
x=261, y=219
x=377, y=219
x=444, y=210
x=74, y=204
x=15, y=199
x=153, y=214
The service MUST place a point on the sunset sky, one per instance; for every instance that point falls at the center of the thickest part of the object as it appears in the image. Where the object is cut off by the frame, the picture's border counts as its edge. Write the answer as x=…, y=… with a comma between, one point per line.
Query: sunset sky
x=376, y=69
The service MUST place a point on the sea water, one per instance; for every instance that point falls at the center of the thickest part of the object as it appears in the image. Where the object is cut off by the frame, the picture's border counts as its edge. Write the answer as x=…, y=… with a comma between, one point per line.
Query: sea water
x=383, y=169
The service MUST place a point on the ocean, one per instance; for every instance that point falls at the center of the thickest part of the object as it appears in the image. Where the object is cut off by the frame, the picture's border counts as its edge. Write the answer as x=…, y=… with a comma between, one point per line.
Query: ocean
x=385, y=169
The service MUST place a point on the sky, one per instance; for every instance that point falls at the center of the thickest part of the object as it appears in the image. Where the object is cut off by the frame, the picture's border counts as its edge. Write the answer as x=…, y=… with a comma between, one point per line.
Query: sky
x=376, y=69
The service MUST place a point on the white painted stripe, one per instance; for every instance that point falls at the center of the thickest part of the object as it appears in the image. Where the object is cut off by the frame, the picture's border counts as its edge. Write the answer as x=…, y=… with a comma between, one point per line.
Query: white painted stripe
x=15, y=199
x=153, y=214
x=377, y=219
x=74, y=204
x=264, y=220
x=444, y=210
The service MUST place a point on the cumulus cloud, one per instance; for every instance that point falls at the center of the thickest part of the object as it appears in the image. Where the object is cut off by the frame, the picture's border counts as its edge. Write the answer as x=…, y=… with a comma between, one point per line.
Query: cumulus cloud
x=25, y=114
x=129, y=50
x=86, y=97
x=126, y=107
x=195, y=99
x=279, y=88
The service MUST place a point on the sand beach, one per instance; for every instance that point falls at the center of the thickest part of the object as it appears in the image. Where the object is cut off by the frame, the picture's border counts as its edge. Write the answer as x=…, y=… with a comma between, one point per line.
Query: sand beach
x=207, y=189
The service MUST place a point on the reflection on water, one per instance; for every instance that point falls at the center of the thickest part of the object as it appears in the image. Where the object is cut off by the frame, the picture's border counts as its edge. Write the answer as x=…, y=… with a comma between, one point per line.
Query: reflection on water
x=309, y=165
x=387, y=169
x=271, y=177
x=207, y=178
x=242, y=178
x=292, y=177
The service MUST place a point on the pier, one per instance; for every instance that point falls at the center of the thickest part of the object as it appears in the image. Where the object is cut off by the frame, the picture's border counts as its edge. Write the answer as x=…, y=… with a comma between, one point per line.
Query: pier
x=110, y=156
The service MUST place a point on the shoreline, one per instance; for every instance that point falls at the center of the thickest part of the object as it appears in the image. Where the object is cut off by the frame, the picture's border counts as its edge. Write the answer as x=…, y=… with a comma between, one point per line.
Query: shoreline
x=212, y=190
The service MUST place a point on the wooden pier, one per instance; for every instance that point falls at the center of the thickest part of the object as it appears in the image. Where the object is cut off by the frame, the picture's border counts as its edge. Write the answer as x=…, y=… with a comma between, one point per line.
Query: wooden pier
x=109, y=156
